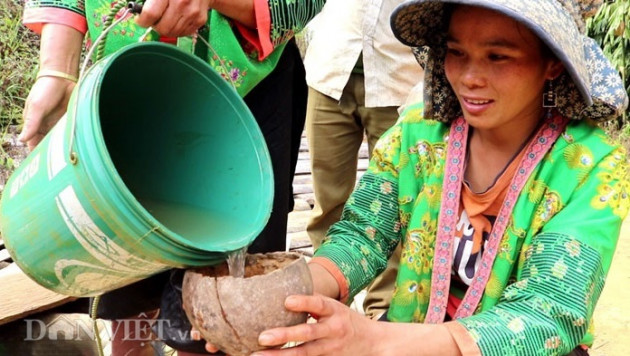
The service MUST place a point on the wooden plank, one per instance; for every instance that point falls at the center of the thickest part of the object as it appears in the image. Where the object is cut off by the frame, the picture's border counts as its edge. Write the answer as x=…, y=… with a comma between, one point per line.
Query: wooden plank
x=302, y=188
x=300, y=240
x=308, y=197
x=4, y=255
x=298, y=221
x=20, y=296
x=302, y=166
x=303, y=179
x=364, y=152
x=301, y=204
x=363, y=164
x=307, y=178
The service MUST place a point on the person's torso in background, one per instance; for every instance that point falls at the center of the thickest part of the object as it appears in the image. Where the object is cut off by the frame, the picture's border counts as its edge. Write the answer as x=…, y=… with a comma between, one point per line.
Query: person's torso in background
x=343, y=31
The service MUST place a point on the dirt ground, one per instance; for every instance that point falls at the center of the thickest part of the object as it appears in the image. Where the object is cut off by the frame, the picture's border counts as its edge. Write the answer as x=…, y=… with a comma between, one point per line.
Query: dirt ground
x=612, y=318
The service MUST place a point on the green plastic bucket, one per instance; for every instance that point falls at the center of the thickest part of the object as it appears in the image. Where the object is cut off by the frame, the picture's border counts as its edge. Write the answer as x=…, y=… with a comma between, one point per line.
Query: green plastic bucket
x=157, y=164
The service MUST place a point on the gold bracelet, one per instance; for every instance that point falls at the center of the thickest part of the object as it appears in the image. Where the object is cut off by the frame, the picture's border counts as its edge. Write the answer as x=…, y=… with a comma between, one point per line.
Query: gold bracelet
x=56, y=74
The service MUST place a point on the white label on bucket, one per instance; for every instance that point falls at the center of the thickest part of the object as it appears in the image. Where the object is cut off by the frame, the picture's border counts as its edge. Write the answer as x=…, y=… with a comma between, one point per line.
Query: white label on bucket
x=56, y=158
x=116, y=260
x=25, y=175
x=79, y=278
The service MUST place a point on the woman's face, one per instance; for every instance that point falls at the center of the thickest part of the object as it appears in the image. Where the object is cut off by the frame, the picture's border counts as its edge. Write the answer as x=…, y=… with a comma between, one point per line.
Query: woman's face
x=497, y=69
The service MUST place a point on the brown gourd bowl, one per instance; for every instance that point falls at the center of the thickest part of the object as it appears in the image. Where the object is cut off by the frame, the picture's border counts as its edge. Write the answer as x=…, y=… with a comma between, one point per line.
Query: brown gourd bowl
x=231, y=312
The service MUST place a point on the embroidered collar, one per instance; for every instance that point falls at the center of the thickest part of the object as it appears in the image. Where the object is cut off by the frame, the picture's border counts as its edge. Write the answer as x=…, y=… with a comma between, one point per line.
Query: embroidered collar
x=536, y=149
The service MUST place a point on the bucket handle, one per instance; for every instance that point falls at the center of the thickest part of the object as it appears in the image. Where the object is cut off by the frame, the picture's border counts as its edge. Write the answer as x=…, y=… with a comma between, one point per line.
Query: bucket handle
x=74, y=159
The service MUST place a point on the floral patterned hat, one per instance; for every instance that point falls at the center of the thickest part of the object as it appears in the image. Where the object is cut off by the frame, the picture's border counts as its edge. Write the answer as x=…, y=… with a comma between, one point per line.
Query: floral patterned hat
x=589, y=87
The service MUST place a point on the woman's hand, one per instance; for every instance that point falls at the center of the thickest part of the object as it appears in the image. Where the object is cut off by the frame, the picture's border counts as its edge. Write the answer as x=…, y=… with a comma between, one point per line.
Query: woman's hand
x=174, y=18
x=342, y=331
x=60, y=51
x=45, y=105
x=339, y=330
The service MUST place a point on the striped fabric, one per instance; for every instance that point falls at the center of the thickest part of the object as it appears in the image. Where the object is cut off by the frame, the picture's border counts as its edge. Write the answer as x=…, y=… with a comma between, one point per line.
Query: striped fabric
x=290, y=16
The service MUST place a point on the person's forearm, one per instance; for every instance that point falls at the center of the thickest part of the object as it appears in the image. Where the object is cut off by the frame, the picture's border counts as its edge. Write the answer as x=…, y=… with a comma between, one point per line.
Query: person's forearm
x=323, y=282
x=238, y=10
x=60, y=49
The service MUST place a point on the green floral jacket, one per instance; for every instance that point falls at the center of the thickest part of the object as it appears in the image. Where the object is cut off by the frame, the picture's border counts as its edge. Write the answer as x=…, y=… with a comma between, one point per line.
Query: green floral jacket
x=552, y=259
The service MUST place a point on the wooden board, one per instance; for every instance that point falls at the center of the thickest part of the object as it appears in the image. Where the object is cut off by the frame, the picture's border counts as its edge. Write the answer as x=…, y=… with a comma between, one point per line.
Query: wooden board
x=20, y=296
x=4, y=255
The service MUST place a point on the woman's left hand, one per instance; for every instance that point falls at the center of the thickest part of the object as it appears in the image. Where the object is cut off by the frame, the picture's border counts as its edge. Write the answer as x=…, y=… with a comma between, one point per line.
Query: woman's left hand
x=45, y=105
x=339, y=330
x=174, y=18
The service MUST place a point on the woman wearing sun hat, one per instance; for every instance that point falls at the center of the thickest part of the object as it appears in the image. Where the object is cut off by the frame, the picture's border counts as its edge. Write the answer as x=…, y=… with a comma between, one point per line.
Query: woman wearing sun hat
x=506, y=196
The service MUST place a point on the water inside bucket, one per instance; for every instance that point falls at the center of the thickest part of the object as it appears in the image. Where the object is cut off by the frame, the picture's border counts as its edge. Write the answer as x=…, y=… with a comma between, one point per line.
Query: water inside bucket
x=193, y=223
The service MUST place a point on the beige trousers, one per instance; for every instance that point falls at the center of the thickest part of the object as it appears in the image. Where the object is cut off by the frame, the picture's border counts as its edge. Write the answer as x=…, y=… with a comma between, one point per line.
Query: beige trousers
x=335, y=132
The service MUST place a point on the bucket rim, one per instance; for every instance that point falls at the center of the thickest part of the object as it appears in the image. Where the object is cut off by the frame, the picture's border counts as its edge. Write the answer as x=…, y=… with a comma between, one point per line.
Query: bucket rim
x=99, y=71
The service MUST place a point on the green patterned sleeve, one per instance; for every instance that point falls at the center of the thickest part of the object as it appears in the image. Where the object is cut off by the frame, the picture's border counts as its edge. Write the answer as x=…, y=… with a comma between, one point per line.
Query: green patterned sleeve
x=291, y=16
x=548, y=309
x=71, y=13
x=544, y=313
x=369, y=229
x=76, y=6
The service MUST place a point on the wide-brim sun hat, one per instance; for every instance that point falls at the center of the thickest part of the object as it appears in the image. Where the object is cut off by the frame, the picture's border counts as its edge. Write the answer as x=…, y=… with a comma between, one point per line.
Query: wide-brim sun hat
x=589, y=87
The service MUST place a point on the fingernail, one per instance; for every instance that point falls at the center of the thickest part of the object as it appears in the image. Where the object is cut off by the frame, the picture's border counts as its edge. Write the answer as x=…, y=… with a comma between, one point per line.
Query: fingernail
x=195, y=335
x=265, y=339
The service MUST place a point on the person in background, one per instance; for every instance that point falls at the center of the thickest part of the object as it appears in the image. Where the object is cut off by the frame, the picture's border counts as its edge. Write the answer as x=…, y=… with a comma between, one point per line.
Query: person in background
x=270, y=78
x=353, y=94
x=506, y=195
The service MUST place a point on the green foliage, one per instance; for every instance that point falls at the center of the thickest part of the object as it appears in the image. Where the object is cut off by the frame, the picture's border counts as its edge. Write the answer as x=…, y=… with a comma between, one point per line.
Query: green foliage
x=5, y=158
x=19, y=55
x=610, y=27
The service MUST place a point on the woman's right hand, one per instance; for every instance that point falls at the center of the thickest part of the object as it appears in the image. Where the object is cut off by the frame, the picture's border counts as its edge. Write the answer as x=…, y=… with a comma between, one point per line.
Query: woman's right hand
x=45, y=105
x=176, y=18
